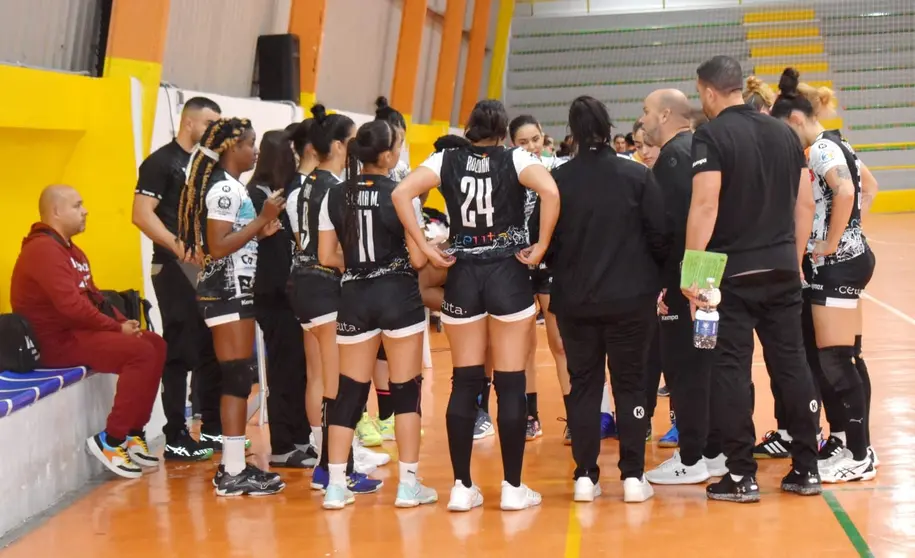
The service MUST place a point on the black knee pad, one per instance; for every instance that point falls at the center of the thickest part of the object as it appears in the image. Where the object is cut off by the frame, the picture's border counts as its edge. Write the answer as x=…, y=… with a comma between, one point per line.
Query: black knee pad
x=466, y=384
x=838, y=368
x=351, y=397
x=407, y=397
x=236, y=378
x=381, y=354
x=510, y=388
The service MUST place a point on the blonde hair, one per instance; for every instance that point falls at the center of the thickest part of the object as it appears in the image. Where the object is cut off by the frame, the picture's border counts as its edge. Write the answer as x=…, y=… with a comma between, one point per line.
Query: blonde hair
x=823, y=99
x=758, y=95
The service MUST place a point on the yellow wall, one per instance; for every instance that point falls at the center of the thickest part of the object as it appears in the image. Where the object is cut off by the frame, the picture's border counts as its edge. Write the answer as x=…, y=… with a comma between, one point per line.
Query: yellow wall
x=60, y=128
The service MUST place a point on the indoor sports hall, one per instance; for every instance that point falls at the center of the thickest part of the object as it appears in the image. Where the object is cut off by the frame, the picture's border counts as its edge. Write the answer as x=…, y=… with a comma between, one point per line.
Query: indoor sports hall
x=93, y=87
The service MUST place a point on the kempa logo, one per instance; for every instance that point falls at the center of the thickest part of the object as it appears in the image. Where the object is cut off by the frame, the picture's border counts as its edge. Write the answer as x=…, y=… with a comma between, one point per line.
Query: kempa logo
x=814, y=406
x=639, y=412
x=700, y=162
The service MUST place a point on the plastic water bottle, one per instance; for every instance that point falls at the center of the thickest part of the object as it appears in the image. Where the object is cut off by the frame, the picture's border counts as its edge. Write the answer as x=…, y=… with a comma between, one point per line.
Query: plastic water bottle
x=705, y=326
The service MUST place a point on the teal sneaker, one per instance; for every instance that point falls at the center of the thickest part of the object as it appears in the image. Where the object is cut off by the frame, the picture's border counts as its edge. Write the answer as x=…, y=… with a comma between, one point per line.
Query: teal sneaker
x=337, y=497
x=410, y=496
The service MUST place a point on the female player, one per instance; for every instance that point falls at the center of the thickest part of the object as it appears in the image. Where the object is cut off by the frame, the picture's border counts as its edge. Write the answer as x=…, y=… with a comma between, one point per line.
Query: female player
x=217, y=220
x=483, y=186
x=379, y=305
x=839, y=266
x=648, y=153
x=315, y=289
x=758, y=95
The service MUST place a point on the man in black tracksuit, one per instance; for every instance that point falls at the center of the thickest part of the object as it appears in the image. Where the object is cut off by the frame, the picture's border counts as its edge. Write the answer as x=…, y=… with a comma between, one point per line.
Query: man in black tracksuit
x=608, y=248
x=748, y=173
x=667, y=123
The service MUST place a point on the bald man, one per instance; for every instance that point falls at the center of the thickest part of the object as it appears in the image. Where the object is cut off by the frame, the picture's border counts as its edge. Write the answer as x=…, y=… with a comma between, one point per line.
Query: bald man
x=667, y=123
x=52, y=288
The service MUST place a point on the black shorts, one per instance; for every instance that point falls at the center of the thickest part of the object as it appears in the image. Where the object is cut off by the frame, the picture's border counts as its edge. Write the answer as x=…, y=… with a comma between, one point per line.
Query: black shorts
x=368, y=307
x=219, y=311
x=315, y=297
x=478, y=288
x=541, y=280
x=840, y=285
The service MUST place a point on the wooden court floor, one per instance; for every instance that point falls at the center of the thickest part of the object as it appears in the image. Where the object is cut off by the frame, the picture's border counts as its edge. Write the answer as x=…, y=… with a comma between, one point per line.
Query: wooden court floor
x=173, y=512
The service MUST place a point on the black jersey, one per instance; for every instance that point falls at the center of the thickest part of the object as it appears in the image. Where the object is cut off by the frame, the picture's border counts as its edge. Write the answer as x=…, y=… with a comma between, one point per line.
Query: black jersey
x=378, y=247
x=303, y=206
x=162, y=176
x=831, y=150
x=486, y=203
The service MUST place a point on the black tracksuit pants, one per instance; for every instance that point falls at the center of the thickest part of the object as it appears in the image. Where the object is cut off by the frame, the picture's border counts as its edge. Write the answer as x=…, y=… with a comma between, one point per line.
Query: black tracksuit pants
x=769, y=303
x=285, y=372
x=622, y=341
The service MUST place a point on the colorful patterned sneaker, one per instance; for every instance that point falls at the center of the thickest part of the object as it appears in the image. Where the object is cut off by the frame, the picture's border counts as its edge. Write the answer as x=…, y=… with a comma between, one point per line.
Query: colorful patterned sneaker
x=114, y=458
x=386, y=428
x=367, y=432
x=139, y=452
x=671, y=439
x=534, y=430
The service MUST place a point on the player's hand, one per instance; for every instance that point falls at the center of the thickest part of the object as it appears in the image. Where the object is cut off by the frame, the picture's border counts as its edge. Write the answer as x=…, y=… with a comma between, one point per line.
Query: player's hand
x=274, y=204
x=436, y=256
x=532, y=254
x=662, y=308
x=131, y=327
x=270, y=229
x=692, y=294
x=822, y=249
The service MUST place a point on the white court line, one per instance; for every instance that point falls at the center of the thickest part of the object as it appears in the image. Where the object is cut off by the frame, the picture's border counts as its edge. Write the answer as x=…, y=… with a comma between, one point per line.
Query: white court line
x=894, y=311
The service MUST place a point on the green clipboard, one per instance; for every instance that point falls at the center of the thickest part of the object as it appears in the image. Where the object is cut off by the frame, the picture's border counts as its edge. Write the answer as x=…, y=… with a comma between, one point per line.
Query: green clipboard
x=699, y=266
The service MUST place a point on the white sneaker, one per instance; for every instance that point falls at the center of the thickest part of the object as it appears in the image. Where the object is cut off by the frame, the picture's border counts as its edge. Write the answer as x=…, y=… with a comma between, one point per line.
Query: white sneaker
x=463, y=498
x=717, y=466
x=367, y=458
x=673, y=471
x=844, y=468
x=585, y=490
x=873, y=455
x=412, y=495
x=636, y=490
x=337, y=497
x=518, y=498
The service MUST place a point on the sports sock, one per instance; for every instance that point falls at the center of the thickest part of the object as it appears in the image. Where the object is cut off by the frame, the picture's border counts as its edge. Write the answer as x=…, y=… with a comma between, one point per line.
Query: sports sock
x=866, y=384
x=385, y=406
x=337, y=473
x=785, y=436
x=233, y=454
x=322, y=450
x=512, y=421
x=483, y=400
x=467, y=382
x=841, y=436
x=532, y=406
x=605, y=400
x=408, y=473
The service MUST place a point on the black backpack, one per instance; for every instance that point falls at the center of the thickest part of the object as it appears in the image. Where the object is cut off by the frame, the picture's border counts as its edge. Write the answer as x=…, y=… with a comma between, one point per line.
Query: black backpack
x=129, y=303
x=19, y=351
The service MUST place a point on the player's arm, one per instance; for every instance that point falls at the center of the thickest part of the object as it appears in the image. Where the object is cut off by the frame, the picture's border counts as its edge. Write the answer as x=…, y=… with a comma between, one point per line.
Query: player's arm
x=330, y=253
x=804, y=211
x=148, y=193
x=828, y=161
x=869, y=188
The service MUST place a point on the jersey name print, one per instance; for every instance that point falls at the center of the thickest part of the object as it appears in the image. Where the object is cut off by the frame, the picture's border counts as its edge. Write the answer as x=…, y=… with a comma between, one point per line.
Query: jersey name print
x=487, y=203
x=377, y=245
x=830, y=151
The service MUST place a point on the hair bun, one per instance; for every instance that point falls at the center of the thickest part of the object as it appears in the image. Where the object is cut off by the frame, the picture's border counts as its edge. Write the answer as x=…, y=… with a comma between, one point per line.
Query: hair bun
x=754, y=84
x=787, y=84
x=382, y=103
x=319, y=112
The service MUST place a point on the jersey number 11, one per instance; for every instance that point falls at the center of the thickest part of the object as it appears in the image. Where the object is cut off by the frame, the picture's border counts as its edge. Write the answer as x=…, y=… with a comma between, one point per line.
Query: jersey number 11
x=481, y=189
x=366, y=236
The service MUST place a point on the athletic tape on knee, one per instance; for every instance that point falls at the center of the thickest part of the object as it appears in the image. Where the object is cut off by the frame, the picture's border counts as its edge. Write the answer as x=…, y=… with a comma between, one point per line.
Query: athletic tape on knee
x=236, y=378
x=407, y=397
x=466, y=384
x=381, y=354
x=351, y=397
x=838, y=368
x=510, y=388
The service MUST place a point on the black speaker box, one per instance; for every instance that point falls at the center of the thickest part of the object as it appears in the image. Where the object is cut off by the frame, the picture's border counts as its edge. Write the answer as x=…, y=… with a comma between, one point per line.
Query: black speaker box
x=277, y=71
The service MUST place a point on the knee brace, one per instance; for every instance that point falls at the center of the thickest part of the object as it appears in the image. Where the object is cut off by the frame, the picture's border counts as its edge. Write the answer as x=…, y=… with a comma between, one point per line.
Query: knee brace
x=407, y=397
x=510, y=388
x=838, y=368
x=466, y=384
x=236, y=378
x=381, y=354
x=351, y=397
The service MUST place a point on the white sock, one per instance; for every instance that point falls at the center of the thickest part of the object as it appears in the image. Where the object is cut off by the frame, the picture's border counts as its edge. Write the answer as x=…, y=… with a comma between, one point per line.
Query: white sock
x=408, y=473
x=736, y=478
x=233, y=454
x=839, y=435
x=337, y=473
x=785, y=436
x=318, y=433
x=605, y=400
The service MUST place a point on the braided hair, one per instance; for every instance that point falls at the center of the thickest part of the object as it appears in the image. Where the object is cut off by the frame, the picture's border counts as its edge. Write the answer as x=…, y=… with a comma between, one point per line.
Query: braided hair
x=218, y=138
x=371, y=140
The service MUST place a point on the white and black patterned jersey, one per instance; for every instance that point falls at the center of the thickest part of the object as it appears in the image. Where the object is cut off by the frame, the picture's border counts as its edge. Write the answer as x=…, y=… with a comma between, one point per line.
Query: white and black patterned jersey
x=399, y=172
x=486, y=203
x=831, y=150
x=303, y=205
x=377, y=245
x=232, y=276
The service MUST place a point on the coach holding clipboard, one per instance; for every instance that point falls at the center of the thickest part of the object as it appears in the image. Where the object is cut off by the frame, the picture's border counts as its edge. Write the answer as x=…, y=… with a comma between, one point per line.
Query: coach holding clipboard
x=751, y=200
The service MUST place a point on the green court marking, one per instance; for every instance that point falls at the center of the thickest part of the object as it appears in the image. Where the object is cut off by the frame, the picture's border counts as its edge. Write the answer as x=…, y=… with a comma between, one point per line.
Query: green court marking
x=866, y=16
x=905, y=147
x=605, y=83
x=877, y=68
x=586, y=32
x=888, y=126
x=847, y=525
x=658, y=44
x=600, y=65
x=881, y=106
x=879, y=86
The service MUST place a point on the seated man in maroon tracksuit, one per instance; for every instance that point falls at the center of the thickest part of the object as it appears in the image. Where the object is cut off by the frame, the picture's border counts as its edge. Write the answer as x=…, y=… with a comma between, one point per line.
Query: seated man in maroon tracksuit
x=52, y=288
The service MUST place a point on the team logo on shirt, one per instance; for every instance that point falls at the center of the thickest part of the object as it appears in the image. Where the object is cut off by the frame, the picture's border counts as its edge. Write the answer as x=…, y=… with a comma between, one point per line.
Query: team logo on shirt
x=224, y=202
x=826, y=154
x=672, y=162
x=227, y=188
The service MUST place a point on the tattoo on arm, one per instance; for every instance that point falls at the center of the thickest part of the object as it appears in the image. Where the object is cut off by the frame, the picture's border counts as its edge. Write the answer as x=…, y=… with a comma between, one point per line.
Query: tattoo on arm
x=843, y=173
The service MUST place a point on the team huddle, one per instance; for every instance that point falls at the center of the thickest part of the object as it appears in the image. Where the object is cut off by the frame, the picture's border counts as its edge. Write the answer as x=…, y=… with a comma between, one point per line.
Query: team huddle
x=365, y=261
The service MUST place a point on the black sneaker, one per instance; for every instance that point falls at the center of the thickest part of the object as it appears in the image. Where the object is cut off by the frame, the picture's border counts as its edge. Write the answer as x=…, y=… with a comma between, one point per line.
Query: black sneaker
x=251, y=481
x=214, y=441
x=663, y=391
x=831, y=448
x=773, y=446
x=185, y=448
x=808, y=484
x=566, y=432
x=728, y=490
x=296, y=459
